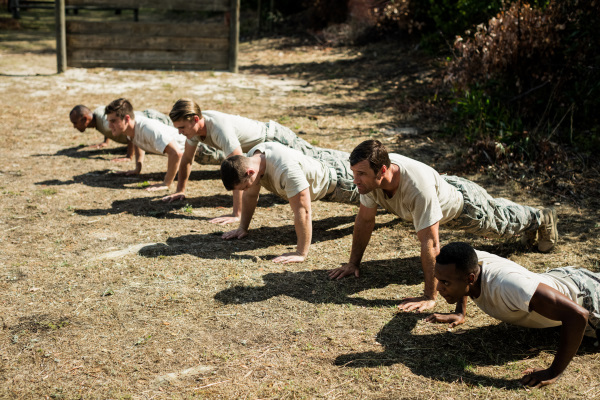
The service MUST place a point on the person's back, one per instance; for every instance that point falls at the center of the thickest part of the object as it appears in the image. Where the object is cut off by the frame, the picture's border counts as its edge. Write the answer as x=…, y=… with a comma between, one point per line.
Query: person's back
x=423, y=196
x=507, y=288
x=227, y=132
x=103, y=128
x=153, y=136
x=288, y=172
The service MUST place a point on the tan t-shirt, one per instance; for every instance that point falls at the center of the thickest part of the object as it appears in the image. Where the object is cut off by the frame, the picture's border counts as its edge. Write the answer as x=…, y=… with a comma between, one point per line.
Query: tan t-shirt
x=288, y=172
x=102, y=125
x=153, y=136
x=423, y=197
x=228, y=132
x=507, y=289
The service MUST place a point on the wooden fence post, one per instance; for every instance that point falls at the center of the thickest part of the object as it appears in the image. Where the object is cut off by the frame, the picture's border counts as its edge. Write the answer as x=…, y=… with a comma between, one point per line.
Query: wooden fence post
x=234, y=35
x=61, y=34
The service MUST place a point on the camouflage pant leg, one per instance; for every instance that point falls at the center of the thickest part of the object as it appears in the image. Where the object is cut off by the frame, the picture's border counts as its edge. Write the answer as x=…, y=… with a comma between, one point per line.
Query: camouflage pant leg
x=588, y=283
x=209, y=155
x=287, y=137
x=153, y=114
x=484, y=215
x=345, y=190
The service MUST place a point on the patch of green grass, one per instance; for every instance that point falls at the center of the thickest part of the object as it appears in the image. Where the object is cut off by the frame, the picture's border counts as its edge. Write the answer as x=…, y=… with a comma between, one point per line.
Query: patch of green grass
x=49, y=191
x=143, y=184
x=314, y=142
x=187, y=209
x=143, y=340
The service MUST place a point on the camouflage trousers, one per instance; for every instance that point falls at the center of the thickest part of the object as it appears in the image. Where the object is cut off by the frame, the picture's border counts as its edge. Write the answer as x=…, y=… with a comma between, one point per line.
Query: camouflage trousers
x=341, y=188
x=589, y=286
x=484, y=215
x=275, y=133
x=153, y=114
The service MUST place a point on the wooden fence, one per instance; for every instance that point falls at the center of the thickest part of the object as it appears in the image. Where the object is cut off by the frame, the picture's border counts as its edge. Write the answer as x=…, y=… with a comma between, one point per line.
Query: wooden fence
x=151, y=44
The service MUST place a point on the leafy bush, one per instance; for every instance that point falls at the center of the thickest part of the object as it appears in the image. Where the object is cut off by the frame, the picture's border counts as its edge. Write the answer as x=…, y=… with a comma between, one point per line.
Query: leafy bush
x=540, y=65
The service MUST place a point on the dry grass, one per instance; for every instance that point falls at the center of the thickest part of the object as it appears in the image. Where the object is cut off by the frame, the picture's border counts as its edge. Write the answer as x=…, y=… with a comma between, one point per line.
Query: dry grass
x=106, y=292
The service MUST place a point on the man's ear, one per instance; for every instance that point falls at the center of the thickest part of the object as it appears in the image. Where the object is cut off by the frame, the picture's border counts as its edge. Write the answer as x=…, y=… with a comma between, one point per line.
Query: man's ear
x=127, y=118
x=196, y=119
x=382, y=171
x=472, y=278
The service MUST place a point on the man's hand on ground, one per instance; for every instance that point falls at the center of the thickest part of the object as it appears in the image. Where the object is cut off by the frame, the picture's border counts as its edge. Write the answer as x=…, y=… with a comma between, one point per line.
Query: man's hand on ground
x=416, y=304
x=173, y=197
x=239, y=233
x=224, y=219
x=451, y=319
x=289, y=258
x=345, y=270
x=98, y=146
x=538, y=377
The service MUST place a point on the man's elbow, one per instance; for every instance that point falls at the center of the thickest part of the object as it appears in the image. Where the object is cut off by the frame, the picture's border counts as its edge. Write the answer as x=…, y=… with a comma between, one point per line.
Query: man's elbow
x=583, y=315
x=578, y=318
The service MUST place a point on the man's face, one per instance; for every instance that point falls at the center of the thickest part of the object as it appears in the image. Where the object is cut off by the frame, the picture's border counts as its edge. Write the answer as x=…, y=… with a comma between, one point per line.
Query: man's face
x=365, y=178
x=452, y=285
x=80, y=122
x=117, y=125
x=246, y=182
x=186, y=127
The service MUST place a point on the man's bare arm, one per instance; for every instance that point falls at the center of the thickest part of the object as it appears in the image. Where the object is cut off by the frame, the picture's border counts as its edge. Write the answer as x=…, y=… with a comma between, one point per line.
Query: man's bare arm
x=249, y=201
x=139, y=162
x=363, y=228
x=430, y=248
x=237, y=202
x=554, y=305
x=185, y=168
x=301, y=206
x=174, y=157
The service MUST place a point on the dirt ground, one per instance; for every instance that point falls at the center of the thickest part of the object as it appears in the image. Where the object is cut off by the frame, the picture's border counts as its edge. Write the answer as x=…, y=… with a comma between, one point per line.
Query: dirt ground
x=107, y=292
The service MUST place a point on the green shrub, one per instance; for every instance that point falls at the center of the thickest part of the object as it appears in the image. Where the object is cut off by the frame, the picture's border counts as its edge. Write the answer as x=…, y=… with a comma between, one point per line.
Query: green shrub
x=539, y=65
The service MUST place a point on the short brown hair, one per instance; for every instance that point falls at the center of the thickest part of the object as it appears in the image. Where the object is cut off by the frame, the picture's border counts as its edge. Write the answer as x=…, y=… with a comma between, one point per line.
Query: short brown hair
x=373, y=151
x=184, y=109
x=233, y=171
x=121, y=107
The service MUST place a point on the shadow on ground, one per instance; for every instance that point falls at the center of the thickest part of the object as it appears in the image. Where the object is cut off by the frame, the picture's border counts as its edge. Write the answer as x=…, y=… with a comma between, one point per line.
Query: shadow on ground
x=211, y=246
x=452, y=357
x=315, y=287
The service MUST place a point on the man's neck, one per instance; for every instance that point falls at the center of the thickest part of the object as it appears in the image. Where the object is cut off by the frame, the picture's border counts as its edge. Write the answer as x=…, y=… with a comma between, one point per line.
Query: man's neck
x=475, y=290
x=130, y=128
x=391, y=180
x=262, y=166
x=202, y=131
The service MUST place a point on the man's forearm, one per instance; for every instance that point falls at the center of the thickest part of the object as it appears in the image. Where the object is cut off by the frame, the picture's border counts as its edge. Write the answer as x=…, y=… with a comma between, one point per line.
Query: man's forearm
x=428, y=265
x=360, y=239
x=303, y=225
x=249, y=201
x=571, y=334
x=172, y=166
x=237, y=202
x=461, y=306
x=185, y=168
